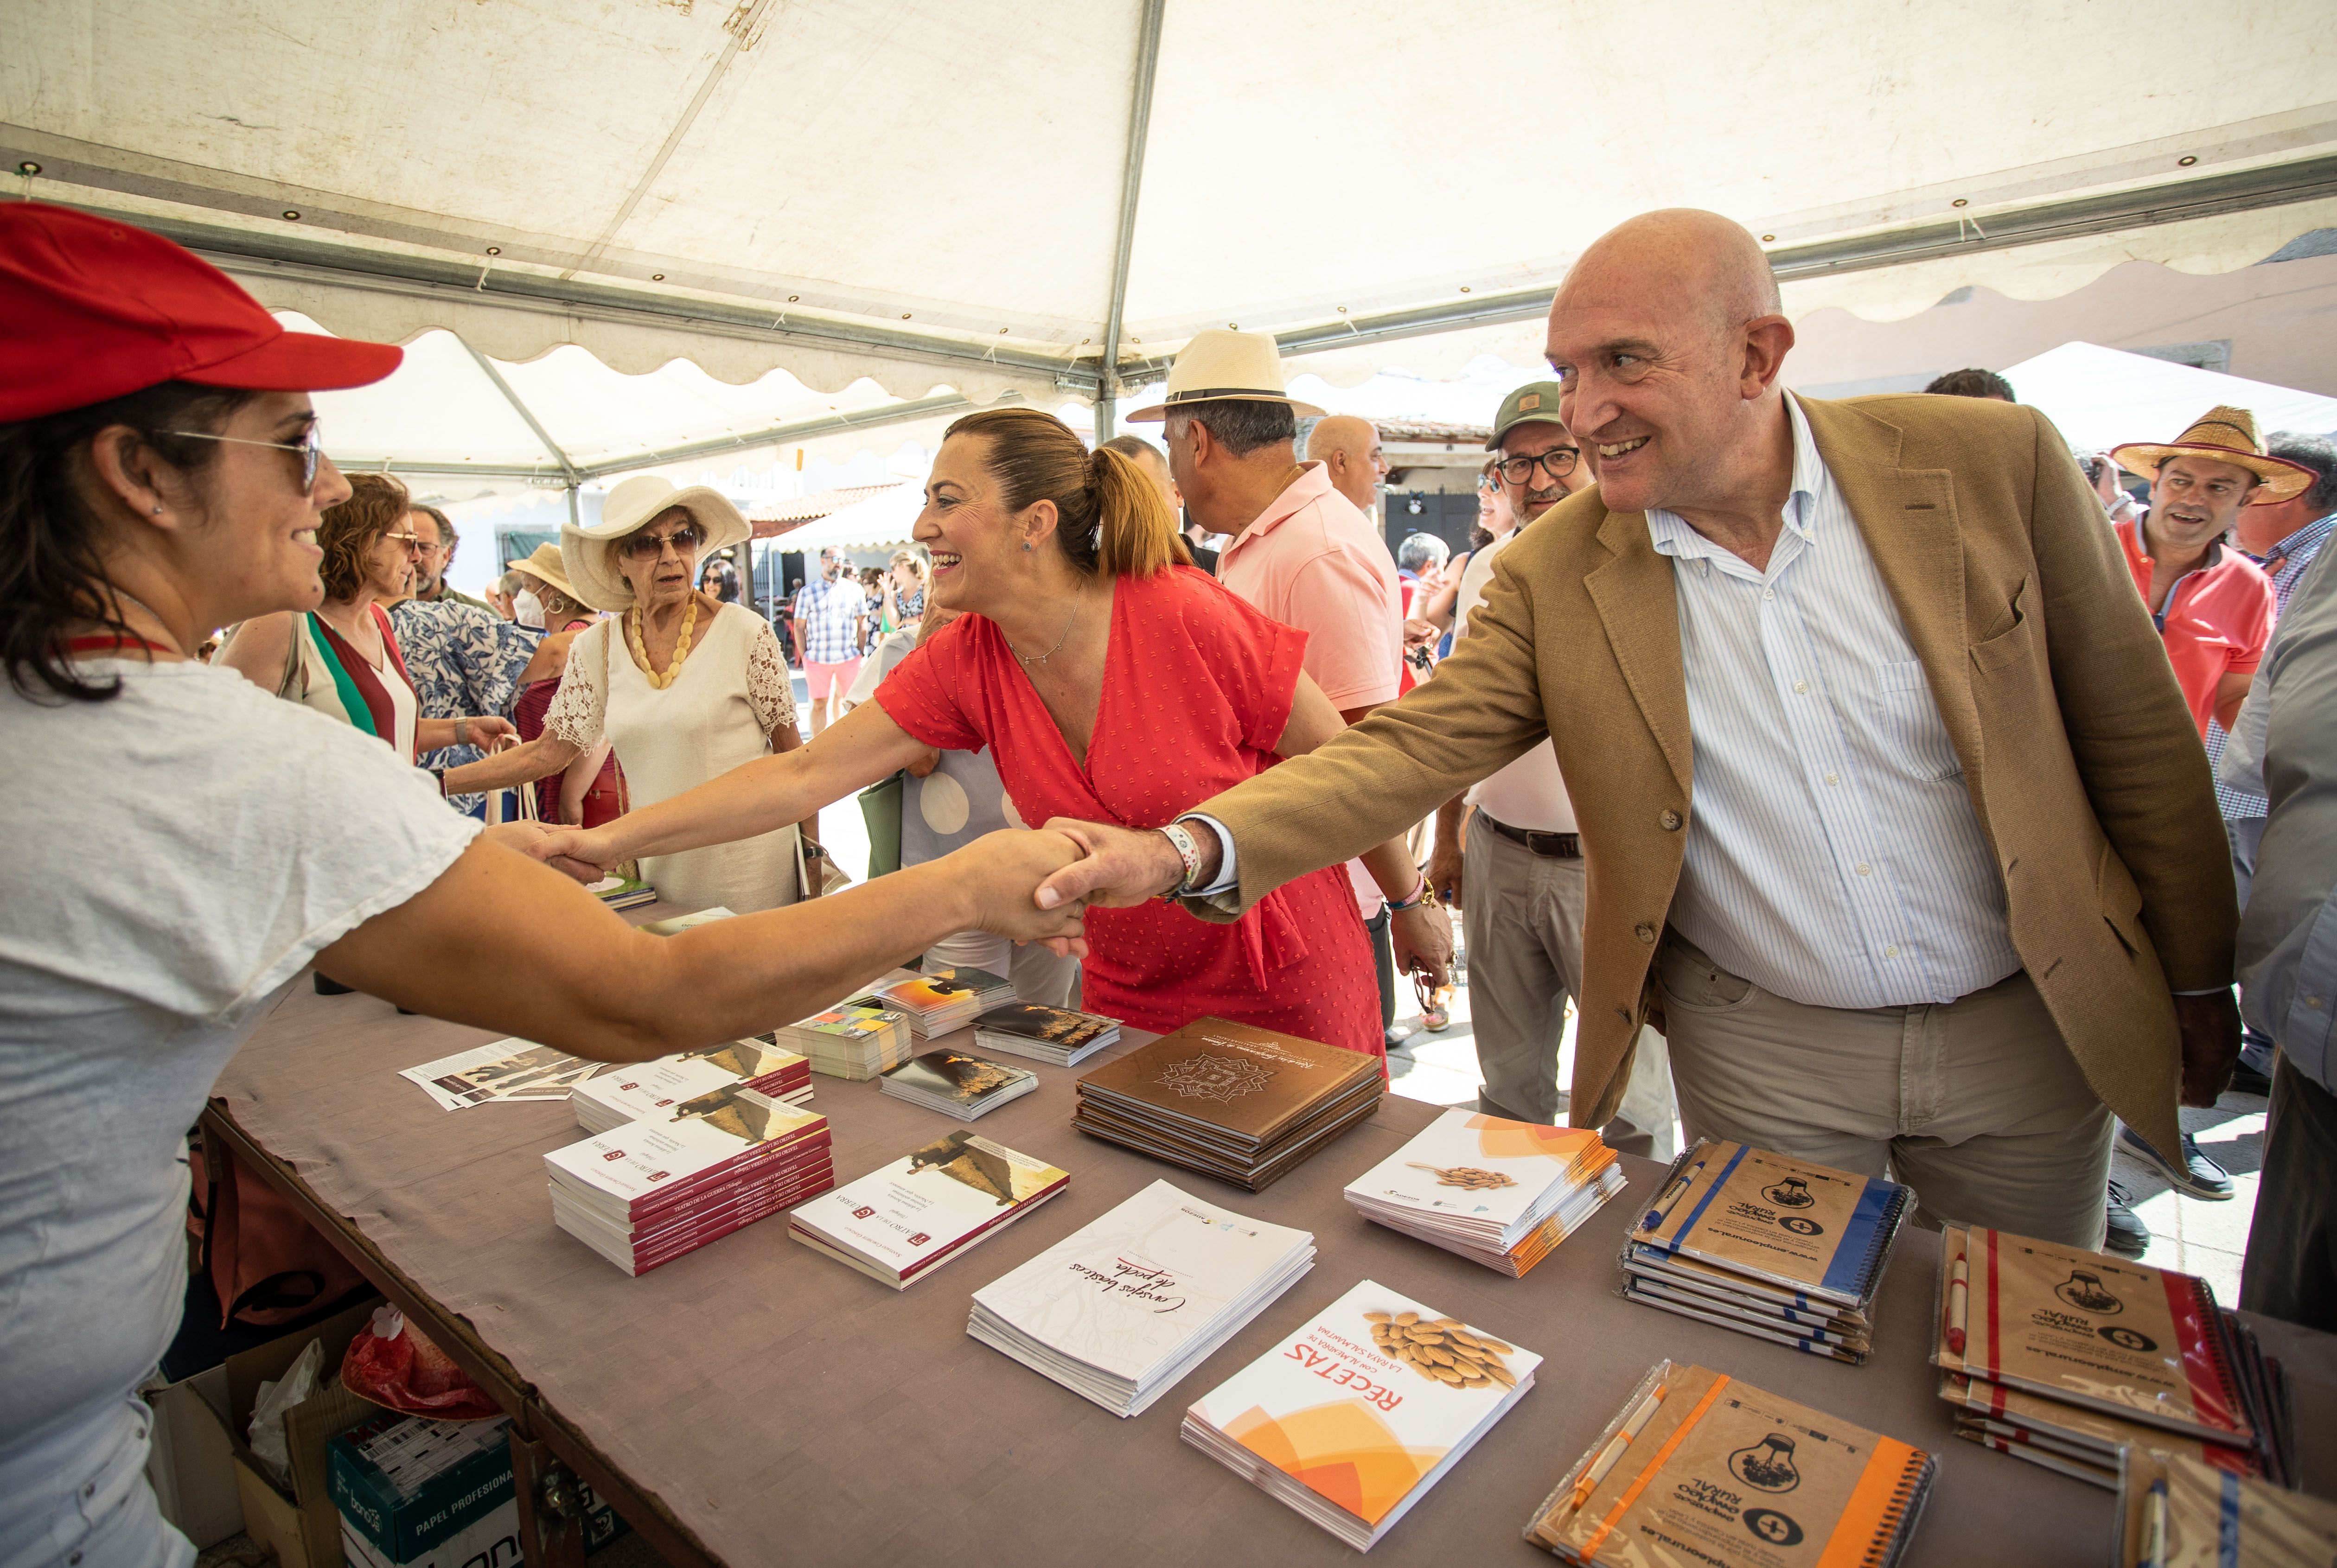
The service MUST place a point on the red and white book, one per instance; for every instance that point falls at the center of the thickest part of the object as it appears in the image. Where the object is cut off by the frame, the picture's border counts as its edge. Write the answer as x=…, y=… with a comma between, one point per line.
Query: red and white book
x=630, y=1091
x=898, y=1223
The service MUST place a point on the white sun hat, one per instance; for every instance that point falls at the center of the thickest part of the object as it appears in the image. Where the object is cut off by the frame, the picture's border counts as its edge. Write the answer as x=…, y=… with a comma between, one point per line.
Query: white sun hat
x=1217, y=365
x=589, y=552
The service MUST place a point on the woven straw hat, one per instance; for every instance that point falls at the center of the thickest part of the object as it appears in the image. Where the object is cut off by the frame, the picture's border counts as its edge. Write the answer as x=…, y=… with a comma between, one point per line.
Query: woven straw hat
x=1221, y=364
x=2226, y=434
x=545, y=566
x=588, y=553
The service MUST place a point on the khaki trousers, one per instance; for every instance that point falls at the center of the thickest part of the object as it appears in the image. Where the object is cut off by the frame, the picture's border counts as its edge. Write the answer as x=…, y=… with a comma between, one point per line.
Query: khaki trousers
x=1975, y=1103
x=1522, y=914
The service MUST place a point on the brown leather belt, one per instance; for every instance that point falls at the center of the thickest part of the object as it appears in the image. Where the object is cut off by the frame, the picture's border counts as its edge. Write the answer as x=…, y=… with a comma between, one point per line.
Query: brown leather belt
x=1556, y=846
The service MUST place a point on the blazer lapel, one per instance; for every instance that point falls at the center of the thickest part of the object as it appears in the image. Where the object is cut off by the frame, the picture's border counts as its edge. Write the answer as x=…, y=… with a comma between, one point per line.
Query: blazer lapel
x=1638, y=605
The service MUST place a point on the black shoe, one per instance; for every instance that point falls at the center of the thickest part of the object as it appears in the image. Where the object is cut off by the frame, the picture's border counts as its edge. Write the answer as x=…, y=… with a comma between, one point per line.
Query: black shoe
x=2247, y=1080
x=1396, y=1035
x=2128, y=1237
x=2197, y=1177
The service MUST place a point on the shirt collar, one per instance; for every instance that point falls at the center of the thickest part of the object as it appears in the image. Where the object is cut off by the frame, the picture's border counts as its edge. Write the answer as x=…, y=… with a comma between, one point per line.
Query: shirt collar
x=1312, y=483
x=2304, y=540
x=1672, y=535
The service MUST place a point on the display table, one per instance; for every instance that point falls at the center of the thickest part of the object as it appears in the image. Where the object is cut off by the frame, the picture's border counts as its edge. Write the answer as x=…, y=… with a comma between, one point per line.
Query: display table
x=754, y=1402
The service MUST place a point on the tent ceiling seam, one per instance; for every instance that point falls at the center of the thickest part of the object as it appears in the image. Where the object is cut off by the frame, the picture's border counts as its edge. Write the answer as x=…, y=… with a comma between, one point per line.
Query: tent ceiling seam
x=567, y=466
x=1139, y=124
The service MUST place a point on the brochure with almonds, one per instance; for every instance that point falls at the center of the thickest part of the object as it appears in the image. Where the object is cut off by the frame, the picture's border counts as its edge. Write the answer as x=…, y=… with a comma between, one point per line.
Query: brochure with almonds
x=1699, y=1467
x=1247, y=1086
x=1355, y=1418
x=2135, y=1341
x=2176, y=1512
x=1811, y=1227
x=896, y=1223
x=1482, y=1173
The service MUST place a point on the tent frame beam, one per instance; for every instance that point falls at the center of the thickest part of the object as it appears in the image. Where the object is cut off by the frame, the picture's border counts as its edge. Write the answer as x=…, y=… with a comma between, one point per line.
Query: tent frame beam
x=568, y=470
x=1140, y=126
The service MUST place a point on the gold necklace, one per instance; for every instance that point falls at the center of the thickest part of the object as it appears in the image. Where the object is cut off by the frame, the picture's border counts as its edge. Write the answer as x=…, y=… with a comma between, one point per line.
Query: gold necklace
x=681, y=646
x=1030, y=662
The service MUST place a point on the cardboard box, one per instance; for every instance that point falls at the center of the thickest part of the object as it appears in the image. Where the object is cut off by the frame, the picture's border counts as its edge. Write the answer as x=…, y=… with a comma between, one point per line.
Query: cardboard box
x=191, y=1463
x=298, y=1523
x=414, y=1493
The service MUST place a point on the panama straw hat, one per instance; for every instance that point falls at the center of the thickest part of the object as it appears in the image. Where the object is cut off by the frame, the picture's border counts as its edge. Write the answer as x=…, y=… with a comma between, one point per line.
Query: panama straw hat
x=588, y=552
x=2226, y=434
x=1218, y=364
x=545, y=566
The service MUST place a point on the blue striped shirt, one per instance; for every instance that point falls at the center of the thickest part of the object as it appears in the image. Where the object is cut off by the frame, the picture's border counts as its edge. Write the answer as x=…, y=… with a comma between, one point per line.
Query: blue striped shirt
x=2285, y=563
x=1833, y=854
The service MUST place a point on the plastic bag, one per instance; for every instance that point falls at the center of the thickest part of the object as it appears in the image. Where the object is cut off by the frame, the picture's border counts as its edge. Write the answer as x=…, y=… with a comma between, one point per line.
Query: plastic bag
x=275, y=1399
x=390, y=1363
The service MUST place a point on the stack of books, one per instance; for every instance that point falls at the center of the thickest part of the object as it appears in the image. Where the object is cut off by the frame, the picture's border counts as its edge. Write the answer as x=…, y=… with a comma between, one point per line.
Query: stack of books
x=1499, y=1192
x=1698, y=1466
x=2174, y=1511
x=622, y=892
x=1053, y=1034
x=941, y=1000
x=669, y=1085
x=1121, y=1310
x=650, y=1190
x=2066, y=1358
x=1352, y=1419
x=899, y=1223
x=1777, y=1248
x=1240, y=1104
x=857, y=1040
x=956, y=1084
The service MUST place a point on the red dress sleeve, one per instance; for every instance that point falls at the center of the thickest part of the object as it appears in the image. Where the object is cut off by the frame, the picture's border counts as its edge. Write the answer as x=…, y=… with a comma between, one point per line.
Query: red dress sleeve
x=1257, y=659
x=928, y=693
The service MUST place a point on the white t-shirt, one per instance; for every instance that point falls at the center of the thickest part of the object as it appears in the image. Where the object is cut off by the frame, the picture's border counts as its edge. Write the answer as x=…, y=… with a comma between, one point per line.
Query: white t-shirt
x=1530, y=793
x=178, y=854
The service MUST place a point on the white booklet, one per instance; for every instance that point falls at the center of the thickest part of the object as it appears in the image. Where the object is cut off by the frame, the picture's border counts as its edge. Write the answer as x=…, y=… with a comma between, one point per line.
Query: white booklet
x=896, y=1223
x=512, y=1069
x=1122, y=1307
x=1483, y=1176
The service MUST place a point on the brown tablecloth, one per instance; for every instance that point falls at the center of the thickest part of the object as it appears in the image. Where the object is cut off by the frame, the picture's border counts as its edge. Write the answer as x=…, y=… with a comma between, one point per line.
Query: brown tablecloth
x=787, y=1409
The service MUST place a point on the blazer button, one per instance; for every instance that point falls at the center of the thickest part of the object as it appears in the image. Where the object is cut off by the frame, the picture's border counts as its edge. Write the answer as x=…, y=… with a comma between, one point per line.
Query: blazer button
x=1670, y=819
x=1644, y=931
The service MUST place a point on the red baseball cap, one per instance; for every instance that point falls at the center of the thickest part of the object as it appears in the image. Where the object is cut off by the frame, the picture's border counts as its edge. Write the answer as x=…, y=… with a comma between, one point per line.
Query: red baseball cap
x=96, y=309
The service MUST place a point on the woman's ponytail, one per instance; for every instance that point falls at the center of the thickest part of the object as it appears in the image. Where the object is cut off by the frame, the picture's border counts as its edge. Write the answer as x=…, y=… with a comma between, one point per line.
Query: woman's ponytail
x=1110, y=515
x=1136, y=533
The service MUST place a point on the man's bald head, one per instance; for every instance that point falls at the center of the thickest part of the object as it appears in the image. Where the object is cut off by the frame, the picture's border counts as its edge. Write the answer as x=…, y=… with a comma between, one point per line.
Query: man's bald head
x=1349, y=448
x=1700, y=257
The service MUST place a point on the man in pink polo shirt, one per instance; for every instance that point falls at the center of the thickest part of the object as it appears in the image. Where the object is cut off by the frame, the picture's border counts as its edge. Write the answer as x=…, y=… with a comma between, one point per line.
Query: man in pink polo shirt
x=1303, y=553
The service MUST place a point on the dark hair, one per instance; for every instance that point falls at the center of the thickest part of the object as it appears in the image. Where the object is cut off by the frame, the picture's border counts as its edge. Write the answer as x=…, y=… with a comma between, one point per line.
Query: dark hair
x=445, y=524
x=51, y=576
x=2317, y=452
x=1974, y=383
x=1240, y=424
x=345, y=532
x=1110, y=516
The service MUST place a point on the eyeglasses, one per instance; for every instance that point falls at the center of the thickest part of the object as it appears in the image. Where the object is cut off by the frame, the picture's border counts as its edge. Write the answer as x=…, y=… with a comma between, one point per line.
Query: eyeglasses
x=650, y=546
x=1559, y=460
x=409, y=537
x=311, y=448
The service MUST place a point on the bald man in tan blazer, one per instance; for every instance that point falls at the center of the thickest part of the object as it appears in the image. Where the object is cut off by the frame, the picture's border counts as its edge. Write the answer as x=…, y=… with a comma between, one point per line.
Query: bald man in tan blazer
x=2044, y=759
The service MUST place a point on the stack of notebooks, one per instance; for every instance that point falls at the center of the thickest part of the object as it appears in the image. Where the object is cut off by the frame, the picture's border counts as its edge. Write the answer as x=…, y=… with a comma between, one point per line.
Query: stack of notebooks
x=650, y=1191
x=668, y=1085
x=1499, y=1192
x=957, y=1084
x=897, y=1224
x=1053, y=1035
x=1352, y=1419
x=2174, y=1511
x=2064, y=1358
x=1123, y=1308
x=1240, y=1104
x=1698, y=1467
x=1777, y=1248
x=940, y=1000
x=857, y=1040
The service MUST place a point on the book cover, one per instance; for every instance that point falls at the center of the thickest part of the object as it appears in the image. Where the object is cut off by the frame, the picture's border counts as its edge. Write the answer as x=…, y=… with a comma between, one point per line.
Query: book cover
x=1700, y=1468
x=1482, y=1173
x=920, y=1207
x=2176, y=1512
x=632, y=1090
x=642, y=1162
x=1061, y=1032
x=925, y=996
x=1251, y=1084
x=622, y=892
x=1809, y=1226
x=968, y=1084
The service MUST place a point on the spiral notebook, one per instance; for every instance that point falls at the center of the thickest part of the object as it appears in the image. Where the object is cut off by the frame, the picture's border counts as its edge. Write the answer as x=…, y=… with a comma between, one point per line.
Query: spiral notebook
x=1813, y=1228
x=2176, y=1512
x=1699, y=1467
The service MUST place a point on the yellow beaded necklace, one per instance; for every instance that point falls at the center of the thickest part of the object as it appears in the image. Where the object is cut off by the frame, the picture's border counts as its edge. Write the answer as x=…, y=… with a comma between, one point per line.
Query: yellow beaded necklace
x=681, y=646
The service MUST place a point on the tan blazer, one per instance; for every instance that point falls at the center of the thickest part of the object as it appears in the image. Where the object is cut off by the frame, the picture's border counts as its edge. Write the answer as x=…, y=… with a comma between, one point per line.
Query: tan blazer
x=2083, y=767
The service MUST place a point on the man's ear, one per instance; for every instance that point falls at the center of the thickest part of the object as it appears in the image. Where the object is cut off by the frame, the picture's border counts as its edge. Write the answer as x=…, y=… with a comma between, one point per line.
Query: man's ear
x=1767, y=340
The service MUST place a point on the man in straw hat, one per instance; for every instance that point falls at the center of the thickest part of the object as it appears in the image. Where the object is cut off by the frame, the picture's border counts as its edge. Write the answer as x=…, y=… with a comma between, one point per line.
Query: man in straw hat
x=1891, y=805
x=1303, y=553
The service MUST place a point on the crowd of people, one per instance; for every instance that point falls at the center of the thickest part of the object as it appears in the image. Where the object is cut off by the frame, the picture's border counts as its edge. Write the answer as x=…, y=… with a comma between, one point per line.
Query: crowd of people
x=1844, y=768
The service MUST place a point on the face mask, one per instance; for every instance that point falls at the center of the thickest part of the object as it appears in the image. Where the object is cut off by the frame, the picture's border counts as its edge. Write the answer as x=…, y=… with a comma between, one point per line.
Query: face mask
x=526, y=608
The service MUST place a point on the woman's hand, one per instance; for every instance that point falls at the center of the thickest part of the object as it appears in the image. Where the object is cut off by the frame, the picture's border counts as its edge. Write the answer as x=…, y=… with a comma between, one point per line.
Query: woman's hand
x=1423, y=937
x=926, y=763
x=487, y=729
x=594, y=847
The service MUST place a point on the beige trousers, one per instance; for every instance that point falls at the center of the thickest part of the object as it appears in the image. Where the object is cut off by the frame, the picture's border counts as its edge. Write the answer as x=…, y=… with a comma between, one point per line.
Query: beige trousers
x=1975, y=1103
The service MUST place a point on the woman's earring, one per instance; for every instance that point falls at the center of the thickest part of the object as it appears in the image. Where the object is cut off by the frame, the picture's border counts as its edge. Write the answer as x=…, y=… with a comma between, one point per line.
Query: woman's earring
x=1026, y=544
x=157, y=512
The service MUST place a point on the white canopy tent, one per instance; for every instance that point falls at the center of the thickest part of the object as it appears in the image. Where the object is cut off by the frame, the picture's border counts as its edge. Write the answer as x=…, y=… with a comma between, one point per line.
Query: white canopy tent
x=984, y=196
x=871, y=524
x=2104, y=397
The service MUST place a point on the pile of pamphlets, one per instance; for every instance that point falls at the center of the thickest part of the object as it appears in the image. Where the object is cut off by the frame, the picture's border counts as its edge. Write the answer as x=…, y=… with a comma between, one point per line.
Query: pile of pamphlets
x=622, y=892
x=627, y=1091
x=957, y=1084
x=1499, y=1192
x=1124, y=1307
x=1241, y=1104
x=1777, y=1248
x=1352, y=1419
x=1699, y=1467
x=899, y=1223
x=857, y=1040
x=940, y=1000
x=2064, y=1358
x=650, y=1191
x=1044, y=1034
x=2177, y=1512
x=502, y=1070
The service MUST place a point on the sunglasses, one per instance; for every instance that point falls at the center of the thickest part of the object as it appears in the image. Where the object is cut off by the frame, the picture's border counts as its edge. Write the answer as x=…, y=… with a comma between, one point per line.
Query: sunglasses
x=311, y=448
x=650, y=546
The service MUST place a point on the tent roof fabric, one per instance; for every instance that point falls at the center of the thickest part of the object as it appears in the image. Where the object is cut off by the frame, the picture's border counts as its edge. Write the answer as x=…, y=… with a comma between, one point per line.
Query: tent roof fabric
x=772, y=518
x=2099, y=397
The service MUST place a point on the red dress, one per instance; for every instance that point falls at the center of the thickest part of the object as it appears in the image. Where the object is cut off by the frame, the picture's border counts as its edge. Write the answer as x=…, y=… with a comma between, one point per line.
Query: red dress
x=605, y=800
x=1197, y=690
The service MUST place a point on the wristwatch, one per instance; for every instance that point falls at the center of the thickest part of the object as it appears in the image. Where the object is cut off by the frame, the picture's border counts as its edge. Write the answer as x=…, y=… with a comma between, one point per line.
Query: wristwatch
x=1181, y=838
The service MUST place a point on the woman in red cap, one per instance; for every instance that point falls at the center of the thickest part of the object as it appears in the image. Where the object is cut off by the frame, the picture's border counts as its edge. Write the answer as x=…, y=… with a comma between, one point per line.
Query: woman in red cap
x=185, y=843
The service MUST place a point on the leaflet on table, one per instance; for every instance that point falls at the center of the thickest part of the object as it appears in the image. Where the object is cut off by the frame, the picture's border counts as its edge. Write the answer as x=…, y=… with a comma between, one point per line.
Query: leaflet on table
x=2176, y=1512
x=1809, y=1226
x=920, y=1207
x=1485, y=1170
x=641, y=1161
x=509, y=1069
x=943, y=991
x=1054, y=1034
x=967, y=1084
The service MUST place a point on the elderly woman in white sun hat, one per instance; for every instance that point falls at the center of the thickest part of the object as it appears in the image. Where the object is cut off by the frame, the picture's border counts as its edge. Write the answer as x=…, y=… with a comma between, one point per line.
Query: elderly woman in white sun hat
x=685, y=685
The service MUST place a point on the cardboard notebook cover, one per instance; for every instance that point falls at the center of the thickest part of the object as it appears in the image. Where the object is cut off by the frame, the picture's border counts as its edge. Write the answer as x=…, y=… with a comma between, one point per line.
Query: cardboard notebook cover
x=1248, y=1084
x=2176, y=1512
x=2096, y=1433
x=1790, y=1221
x=1698, y=1467
x=2137, y=1342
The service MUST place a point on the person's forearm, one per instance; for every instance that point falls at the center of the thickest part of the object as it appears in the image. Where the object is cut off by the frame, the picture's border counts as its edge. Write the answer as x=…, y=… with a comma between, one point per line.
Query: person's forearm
x=540, y=758
x=1449, y=819
x=1392, y=869
x=576, y=781
x=439, y=734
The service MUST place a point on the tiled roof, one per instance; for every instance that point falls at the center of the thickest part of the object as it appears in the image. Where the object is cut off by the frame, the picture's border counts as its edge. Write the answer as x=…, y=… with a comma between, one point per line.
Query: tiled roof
x=1430, y=430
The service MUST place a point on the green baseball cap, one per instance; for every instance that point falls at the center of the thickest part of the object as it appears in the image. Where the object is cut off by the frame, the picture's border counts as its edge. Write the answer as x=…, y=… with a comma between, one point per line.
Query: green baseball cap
x=1535, y=403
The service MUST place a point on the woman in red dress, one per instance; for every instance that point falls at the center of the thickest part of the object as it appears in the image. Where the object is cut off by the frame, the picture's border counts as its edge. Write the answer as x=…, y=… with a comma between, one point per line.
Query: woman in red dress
x=1112, y=682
